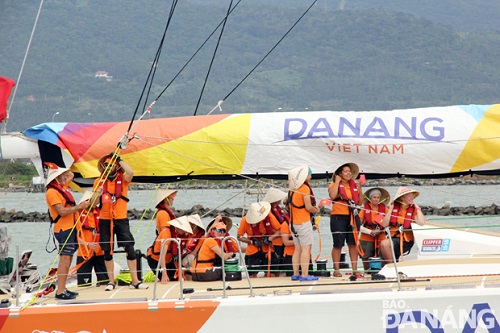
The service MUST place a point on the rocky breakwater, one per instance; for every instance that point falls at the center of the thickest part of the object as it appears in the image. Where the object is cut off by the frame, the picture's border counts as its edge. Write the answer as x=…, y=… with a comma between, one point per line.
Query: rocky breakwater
x=11, y=216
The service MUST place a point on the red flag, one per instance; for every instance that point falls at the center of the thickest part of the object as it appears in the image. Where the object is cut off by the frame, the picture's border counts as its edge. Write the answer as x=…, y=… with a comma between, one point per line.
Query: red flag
x=51, y=165
x=106, y=197
x=6, y=85
x=325, y=202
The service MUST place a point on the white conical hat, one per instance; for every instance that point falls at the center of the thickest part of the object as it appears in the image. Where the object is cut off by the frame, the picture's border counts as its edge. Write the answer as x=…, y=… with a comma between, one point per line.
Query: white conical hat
x=297, y=177
x=273, y=195
x=227, y=221
x=196, y=220
x=86, y=196
x=54, y=173
x=354, y=169
x=385, y=197
x=258, y=211
x=162, y=194
x=182, y=223
x=402, y=190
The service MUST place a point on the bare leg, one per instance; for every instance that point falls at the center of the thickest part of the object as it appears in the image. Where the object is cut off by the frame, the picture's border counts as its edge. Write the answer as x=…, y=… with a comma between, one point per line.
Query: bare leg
x=305, y=257
x=62, y=272
x=353, y=254
x=336, y=252
x=385, y=249
x=132, y=266
x=296, y=259
x=110, y=269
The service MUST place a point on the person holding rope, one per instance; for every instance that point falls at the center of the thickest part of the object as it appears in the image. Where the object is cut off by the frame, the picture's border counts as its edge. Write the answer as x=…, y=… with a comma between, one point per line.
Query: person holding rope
x=114, y=180
x=302, y=207
x=346, y=194
x=402, y=212
x=260, y=228
x=63, y=216
x=90, y=254
x=371, y=216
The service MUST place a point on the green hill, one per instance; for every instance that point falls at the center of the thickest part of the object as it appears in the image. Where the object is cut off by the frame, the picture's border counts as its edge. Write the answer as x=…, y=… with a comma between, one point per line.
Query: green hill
x=357, y=59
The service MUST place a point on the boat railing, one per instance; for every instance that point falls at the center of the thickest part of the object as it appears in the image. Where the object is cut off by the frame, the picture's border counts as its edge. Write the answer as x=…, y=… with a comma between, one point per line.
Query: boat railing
x=179, y=260
x=224, y=292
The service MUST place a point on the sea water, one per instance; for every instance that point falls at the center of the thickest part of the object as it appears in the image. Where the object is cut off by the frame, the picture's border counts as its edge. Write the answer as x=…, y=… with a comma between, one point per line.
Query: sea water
x=35, y=235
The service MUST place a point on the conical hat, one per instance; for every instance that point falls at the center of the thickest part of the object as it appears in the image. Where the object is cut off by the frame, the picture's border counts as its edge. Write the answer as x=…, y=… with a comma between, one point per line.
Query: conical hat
x=162, y=194
x=102, y=160
x=258, y=211
x=86, y=196
x=385, y=197
x=297, y=177
x=227, y=221
x=402, y=190
x=354, y=169
x=196, y=220
x=182, y=223
x=273, y=195
x=54, y=173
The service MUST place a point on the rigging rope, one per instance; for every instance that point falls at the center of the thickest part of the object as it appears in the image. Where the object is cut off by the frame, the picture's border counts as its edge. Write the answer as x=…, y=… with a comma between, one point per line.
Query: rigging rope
x=4, y=129
x=213, y=57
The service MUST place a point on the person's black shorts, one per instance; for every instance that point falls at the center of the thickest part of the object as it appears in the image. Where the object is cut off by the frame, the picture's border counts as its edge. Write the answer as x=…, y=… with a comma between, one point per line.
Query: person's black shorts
x=121, y=229
x=67, y=242
x=340, y=226
x=397, y=248
x=258, y=262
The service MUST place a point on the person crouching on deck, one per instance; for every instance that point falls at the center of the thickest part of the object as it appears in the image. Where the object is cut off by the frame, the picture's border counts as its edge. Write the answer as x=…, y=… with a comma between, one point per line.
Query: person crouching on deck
x=402, y=212
x=90, y=254
x=207, y=265
x=167, y=271
x=260, y=228
x=372, y=231
x=114, y=180
x=63, y=216
x=302, y=206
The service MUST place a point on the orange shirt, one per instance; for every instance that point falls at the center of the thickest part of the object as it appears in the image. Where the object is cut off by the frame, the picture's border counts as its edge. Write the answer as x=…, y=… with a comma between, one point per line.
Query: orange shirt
x=117, y=210
x=245, y=228
x=155, y=251
x=300, y=215
x=285, y=230
x=205, y=253
x=88, y=235
x=53, y=197
x=162, y=220
x=277, y=241
x=339, y=207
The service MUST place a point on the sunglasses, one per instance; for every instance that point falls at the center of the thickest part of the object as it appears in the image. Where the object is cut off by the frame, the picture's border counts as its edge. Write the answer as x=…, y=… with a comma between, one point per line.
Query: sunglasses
x=220, y=230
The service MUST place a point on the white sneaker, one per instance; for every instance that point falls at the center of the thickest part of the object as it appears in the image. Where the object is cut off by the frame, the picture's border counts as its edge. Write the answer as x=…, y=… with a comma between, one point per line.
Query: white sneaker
x=110, y=287
x=139, y=285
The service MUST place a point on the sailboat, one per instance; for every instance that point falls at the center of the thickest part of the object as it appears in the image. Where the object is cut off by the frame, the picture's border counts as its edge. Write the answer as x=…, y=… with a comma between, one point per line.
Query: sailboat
x=451, y=285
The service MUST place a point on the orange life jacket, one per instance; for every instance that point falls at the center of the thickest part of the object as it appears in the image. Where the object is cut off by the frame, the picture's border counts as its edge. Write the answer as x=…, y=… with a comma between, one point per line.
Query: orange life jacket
x=68, y=197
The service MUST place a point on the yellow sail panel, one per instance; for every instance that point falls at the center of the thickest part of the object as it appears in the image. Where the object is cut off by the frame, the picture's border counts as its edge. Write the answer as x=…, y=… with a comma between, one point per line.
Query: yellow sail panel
x=483, y=145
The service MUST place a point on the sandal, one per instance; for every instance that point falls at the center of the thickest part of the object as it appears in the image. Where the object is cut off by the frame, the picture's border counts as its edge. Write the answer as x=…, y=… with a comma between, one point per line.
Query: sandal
x=139, y=285
x=110, y=286
x=337, y=274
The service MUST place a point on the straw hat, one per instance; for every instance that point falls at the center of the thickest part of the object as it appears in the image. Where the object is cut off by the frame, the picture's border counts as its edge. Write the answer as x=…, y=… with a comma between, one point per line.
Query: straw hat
x=102, y=160
x=182, y=223
x=402, y=190
x=162, y=194
x=384, y=195
x=297, y=177
x=274, y=195
x=227, y=221
x=354, y=169
x=258, y=211
x=54, y=173
x=86, y=196
x=196, y=220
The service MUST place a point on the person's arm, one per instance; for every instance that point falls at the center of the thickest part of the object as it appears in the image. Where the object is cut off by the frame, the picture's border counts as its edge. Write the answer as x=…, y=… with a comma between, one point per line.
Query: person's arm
x=218, y=251
x=64, y=211
x=129, y=172
x=360, y=191
x=419, y=217
x=307, y=202
x=387, y=217
x=333, y=191
x=286, y=240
